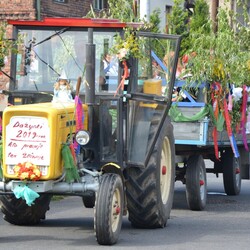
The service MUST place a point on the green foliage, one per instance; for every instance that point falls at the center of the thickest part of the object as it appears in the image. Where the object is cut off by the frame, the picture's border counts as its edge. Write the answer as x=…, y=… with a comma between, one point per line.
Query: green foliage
x=7, y=45
x=177, y=19
x=126, y=46
x=117, y=9
x=243, y=30
x=181, y=23
x=177, y=23
x=155, y=21
x=121, y=10
x=200, y=21
x=220, y=57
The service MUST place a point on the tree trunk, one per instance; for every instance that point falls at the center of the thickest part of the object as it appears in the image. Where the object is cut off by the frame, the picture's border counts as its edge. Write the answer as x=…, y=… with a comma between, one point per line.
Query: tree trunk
x=214, y=11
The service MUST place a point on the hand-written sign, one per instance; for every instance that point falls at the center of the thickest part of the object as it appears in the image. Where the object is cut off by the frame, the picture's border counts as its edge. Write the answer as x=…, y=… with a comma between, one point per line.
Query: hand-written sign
x=27, y=140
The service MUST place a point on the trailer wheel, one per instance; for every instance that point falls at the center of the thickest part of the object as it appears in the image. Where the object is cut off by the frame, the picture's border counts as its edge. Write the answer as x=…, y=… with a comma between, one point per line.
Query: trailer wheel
x=109, y=209
x=196, y=183
x=150, y=190
x=17, y=212
x=231, y=173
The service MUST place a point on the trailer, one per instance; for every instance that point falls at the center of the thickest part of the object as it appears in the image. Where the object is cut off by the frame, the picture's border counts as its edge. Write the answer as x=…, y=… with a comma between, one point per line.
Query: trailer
x=195, y=142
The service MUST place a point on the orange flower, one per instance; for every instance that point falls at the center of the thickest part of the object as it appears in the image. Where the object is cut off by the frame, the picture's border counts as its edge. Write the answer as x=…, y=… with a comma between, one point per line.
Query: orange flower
x=27, y=171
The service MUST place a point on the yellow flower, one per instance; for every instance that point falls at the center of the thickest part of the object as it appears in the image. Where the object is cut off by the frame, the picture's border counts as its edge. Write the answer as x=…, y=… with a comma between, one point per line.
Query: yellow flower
x=28, y=165
x=37, y=172
x=24, y=175
x=218, y=70
x=16, y=168
x=248, y=65
x=32, y=176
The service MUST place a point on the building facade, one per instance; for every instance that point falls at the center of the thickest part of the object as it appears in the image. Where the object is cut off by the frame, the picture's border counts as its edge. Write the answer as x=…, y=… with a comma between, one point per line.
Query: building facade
x=37, y=9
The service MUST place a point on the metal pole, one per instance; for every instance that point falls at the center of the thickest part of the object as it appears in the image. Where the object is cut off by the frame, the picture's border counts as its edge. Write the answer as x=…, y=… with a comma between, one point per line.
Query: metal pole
x=38, y=9
x=90, y=69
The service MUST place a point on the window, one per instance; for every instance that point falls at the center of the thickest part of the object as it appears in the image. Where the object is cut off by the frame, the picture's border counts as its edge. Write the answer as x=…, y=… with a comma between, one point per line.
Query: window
x=60, y=1
x=98, y=4
x=168, y=9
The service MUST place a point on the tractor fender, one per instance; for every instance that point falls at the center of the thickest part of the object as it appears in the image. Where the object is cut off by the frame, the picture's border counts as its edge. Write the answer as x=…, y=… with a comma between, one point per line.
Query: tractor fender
x=112, y=167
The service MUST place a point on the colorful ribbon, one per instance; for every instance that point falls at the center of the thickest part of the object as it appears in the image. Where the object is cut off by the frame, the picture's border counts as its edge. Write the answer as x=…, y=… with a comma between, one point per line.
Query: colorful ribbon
x=229, y=129
x=26, y=194
x=244, y=117
x=215, y=94
x=124, y=76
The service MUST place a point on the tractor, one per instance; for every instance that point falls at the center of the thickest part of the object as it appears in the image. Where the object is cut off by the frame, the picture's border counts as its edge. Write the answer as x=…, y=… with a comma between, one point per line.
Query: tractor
x=74, y=128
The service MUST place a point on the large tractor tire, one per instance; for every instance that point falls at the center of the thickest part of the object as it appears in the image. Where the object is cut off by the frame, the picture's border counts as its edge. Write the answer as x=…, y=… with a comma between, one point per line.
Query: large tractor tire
x=150, y=190
x=196, y=183
x=231, y=173
x=17, y=212
x=108, y=209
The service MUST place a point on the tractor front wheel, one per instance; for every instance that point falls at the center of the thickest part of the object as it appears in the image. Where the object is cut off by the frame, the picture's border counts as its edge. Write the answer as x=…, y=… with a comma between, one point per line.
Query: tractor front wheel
x=109, y=209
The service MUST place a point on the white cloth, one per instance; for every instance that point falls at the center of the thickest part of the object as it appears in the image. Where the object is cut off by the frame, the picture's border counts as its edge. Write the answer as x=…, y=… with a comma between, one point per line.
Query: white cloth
x=62, y=95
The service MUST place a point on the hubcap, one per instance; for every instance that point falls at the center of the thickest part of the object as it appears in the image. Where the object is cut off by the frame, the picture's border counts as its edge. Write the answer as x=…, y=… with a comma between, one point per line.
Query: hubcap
x=237, y=172
x=116, y=210
x=202, y=184
x=165, y=170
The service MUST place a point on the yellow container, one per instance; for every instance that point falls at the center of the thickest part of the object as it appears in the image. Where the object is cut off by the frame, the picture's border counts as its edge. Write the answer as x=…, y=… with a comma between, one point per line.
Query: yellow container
x=35, y=133
x=152, y=86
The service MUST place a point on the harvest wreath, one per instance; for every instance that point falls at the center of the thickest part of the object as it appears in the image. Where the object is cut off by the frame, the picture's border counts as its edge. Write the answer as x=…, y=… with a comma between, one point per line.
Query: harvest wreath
x=27, y=171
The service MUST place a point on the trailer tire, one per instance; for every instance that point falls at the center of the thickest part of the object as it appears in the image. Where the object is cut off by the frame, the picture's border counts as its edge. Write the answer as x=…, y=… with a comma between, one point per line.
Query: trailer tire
x=231, y=173
x=17, y=212
x=196, y=183
x=109, y=209
x=150, y=190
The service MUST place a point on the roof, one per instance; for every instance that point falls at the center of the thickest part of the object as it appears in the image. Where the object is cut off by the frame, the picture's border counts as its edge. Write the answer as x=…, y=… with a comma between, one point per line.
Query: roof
x=73, y=22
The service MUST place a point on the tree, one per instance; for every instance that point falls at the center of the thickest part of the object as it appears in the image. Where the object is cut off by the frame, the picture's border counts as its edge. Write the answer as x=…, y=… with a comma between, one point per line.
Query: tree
x=177, y=23
x=182, y=21
x=155, y=21
x=7, y=45
x=117, y=9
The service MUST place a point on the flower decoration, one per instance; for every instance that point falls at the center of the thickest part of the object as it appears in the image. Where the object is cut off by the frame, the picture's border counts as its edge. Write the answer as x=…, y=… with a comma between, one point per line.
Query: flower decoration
x=27, y=171
x=127, y=46
x=123, y=54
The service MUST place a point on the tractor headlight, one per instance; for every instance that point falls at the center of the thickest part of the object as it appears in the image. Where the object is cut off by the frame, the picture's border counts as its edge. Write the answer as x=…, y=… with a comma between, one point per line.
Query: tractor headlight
x=82, y=137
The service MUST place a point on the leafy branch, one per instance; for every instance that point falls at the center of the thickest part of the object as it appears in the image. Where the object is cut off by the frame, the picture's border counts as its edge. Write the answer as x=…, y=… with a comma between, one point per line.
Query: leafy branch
x=7, y=45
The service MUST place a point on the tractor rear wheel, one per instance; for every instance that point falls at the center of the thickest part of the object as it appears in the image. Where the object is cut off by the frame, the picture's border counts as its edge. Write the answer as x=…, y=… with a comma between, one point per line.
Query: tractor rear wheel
x=150, y=190
x=109, y=209
x=17, y=212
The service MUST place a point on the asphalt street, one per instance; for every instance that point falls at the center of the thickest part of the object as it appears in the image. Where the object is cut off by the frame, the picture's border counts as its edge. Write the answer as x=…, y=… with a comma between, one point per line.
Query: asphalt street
x=224, y=224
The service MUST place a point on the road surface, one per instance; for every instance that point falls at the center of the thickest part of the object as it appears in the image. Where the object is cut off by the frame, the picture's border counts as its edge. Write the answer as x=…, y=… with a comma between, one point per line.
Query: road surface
x=224, y=224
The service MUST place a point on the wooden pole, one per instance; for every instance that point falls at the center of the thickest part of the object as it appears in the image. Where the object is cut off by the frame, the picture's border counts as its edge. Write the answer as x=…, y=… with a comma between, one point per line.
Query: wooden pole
x=214, y=12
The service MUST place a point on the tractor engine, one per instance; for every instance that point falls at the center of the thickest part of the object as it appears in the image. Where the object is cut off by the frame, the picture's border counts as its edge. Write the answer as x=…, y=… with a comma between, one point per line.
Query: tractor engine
x=35, y=133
